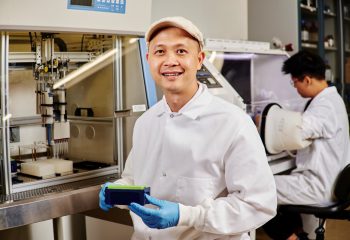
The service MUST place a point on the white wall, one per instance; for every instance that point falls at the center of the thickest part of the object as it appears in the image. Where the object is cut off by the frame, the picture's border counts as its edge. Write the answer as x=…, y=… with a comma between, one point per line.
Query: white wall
x=226, y=19
x=273, y=18
x=255, y=20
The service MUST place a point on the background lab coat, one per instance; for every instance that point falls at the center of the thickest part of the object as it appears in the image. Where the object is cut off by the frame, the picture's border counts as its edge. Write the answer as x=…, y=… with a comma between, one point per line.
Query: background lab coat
x=326, y=122
x=190, y=157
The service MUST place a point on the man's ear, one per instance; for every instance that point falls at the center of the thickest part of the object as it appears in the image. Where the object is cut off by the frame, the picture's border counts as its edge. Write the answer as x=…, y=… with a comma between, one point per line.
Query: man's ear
x=201, y=56
x=147, y=54
x=308, y=80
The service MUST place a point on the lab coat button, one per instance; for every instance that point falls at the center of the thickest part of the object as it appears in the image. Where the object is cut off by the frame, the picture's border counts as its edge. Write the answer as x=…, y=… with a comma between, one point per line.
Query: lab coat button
x=164, y=174
x=171, y=115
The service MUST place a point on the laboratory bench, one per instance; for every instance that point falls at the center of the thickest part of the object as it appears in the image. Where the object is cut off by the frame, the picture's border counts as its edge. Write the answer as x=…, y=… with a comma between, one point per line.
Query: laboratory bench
x=52, y=202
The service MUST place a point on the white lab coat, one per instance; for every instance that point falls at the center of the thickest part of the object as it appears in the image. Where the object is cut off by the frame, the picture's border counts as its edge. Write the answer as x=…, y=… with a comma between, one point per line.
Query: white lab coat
x=325, y=121
x=209, y=158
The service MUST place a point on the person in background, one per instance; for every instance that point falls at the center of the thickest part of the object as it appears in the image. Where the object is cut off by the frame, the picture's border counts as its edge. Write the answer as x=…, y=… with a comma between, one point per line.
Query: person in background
x=201, y=156
x=325, y=122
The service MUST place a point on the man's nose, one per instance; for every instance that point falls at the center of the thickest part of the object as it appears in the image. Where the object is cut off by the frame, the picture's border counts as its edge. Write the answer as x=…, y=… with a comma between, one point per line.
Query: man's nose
x=171, y=60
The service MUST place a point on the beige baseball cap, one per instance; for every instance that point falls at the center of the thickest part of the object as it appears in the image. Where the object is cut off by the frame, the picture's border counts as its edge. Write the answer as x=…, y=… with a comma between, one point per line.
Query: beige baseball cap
x=179, y=22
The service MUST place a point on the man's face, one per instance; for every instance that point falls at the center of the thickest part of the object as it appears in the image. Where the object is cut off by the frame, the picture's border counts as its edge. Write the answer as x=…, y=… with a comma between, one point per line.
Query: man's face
x=302, y=86
x=174, y=58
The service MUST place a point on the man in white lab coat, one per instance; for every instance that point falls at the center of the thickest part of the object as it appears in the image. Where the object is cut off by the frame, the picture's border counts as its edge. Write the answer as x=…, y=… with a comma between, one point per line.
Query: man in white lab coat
x=325, y=122
x=201, y=155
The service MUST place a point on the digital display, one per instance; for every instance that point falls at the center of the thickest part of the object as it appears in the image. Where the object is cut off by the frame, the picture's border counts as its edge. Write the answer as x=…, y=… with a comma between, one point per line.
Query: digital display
x=205, y=77
x=111, y=6
x=81, y=2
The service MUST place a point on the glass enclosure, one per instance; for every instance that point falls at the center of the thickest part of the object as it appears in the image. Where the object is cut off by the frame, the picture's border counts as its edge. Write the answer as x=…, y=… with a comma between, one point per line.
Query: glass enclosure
x=258, y=79
x=68, y=104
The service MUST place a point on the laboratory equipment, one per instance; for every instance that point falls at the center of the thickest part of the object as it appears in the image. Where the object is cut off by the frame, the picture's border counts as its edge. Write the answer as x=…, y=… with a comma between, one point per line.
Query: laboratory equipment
x=218, y=85
x=253, y=70
x=281, y=129
x=67, y=132
x=66, y=137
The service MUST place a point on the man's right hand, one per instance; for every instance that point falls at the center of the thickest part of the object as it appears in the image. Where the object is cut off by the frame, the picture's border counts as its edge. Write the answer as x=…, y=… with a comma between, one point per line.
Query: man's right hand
x=103, y=205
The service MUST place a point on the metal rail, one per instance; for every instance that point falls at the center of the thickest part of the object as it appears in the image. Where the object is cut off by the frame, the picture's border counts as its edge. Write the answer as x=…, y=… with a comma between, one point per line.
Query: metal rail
x=46, y=203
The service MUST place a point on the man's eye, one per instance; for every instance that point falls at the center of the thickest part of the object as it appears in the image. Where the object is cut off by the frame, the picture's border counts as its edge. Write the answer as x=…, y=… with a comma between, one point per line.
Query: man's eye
x=181, y=51
x=157, y=52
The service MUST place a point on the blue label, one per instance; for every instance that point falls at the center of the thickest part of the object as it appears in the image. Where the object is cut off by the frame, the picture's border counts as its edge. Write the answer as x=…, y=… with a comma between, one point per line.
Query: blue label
x=114, y=6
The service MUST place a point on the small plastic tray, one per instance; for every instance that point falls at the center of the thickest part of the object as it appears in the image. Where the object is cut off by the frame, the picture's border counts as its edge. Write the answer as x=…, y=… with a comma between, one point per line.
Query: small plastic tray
x=126, y=194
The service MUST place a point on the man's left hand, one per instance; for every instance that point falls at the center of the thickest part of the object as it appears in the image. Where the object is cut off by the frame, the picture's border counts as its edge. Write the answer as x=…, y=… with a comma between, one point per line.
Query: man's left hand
x=167, y=215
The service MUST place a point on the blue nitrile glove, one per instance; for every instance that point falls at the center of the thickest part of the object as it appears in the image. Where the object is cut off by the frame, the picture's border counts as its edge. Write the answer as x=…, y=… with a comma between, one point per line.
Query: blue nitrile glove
x=167, y=215
x=103, y=205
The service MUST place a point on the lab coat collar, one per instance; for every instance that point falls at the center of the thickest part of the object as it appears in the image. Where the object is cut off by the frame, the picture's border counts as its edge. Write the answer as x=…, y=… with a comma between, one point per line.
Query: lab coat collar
x=194, y=107
x=326, y=91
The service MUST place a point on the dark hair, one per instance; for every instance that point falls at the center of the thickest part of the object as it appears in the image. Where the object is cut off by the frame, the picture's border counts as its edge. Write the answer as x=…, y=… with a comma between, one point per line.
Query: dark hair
x=305, y=63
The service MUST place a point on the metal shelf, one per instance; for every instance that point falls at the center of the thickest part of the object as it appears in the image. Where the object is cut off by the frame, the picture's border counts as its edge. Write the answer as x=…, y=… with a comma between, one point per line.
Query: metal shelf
x=313, y=11
x=308, y=9
x=329, y=14
x=29, y=57
x=331, y=49
x=309, y=45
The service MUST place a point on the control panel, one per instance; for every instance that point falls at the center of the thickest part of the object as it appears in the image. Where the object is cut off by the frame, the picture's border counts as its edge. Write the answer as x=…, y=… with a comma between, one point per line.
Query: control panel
x=205, y=77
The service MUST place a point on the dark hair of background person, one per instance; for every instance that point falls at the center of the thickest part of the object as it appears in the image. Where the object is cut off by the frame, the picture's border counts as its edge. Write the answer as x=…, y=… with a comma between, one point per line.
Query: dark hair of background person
x=303, y=64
